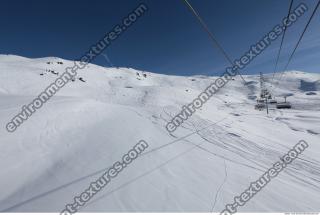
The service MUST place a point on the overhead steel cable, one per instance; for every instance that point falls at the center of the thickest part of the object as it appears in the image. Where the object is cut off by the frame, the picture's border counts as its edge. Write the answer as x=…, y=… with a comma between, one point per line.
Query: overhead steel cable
x=281, y=44
x=212, y=37
x=300, y=39
x=41, y=195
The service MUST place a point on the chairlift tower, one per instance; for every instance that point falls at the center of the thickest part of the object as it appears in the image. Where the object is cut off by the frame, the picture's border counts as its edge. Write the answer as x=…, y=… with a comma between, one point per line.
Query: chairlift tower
x=264, y=95
x=263, y=89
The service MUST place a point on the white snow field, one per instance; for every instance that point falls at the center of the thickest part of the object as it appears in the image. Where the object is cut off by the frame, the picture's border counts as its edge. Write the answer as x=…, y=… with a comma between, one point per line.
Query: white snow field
x=87, y=126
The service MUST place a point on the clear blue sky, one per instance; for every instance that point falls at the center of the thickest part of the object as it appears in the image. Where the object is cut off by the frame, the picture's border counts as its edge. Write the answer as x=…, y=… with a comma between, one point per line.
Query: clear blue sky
x=167, y=39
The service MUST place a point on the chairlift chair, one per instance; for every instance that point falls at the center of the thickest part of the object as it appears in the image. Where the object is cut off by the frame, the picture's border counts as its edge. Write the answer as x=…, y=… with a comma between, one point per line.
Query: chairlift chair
x=259, y=106
x=284, y=105
x=272, y=101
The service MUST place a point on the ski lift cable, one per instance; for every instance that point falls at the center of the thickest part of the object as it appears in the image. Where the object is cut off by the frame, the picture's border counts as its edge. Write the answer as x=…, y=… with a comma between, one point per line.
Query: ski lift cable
x=148, y=172
x=105, y=169
x=281, y=44
x=107, y=59
x=299, y=41
x=212, y=37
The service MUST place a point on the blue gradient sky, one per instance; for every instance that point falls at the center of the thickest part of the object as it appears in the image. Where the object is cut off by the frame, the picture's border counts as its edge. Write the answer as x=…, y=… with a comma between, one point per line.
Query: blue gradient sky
x=167, y=39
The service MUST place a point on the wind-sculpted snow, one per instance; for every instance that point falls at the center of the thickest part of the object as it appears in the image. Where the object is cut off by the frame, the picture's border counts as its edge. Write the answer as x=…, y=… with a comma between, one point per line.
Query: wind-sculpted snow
x=211, y=158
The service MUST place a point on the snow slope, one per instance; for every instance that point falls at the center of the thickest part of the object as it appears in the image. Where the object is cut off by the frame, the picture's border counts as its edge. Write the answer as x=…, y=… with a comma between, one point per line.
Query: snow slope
x=88, y=126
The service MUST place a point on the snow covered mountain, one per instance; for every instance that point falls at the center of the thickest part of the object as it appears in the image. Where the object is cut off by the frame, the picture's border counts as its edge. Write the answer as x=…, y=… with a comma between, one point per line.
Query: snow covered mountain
x=215, y=155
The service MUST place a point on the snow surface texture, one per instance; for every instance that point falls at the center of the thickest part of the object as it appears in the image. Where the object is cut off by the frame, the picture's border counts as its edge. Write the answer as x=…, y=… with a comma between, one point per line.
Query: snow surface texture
x=88, y=126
